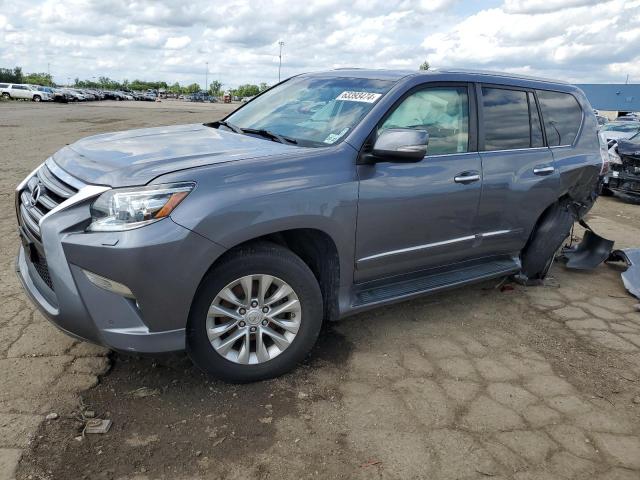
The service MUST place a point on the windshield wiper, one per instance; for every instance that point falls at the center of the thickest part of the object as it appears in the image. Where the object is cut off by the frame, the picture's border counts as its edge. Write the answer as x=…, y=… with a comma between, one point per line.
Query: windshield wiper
x=222, y=123
x=276, y=137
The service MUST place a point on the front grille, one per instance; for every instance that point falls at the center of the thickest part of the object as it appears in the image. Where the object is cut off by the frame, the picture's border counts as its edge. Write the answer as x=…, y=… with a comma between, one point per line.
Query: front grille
x=44, y=191
x=43, y=270
x=631, y=165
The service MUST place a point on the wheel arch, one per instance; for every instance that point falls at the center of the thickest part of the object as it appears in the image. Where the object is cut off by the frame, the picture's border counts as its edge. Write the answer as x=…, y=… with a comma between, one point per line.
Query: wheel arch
x=316, y=248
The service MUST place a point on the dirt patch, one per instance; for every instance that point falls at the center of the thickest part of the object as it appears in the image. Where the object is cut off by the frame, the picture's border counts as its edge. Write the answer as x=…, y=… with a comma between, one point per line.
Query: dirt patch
x=171, y=418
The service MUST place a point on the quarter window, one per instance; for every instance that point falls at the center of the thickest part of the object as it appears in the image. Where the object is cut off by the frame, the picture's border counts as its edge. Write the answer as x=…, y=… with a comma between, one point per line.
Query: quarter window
x=562, y=117
x=506, y=119
x=442, y=111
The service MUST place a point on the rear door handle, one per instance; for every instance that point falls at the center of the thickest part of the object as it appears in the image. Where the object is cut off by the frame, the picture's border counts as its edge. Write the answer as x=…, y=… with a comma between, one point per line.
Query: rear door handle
x=543, y=170
x=467, y=177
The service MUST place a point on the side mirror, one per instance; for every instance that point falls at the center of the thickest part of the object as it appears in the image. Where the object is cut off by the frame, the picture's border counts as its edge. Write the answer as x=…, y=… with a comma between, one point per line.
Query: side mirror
x=401, y=145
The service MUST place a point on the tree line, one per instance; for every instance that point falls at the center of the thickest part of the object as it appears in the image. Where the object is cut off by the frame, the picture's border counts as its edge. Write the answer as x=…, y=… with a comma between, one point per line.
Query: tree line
x=15, y=75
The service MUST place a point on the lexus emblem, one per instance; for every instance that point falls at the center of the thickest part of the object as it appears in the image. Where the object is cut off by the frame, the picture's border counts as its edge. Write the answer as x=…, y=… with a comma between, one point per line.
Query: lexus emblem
x=35, y=195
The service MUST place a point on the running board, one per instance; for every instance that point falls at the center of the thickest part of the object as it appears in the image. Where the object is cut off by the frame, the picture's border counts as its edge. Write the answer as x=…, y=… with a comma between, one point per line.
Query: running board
x=434, y=282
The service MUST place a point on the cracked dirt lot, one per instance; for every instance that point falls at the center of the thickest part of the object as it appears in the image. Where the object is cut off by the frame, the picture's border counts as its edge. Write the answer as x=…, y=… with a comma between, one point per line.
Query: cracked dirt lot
x=483, y=382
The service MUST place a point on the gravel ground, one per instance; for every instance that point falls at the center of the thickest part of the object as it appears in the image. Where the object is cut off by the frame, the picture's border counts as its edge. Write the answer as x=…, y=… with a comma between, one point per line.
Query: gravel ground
x=491, y=381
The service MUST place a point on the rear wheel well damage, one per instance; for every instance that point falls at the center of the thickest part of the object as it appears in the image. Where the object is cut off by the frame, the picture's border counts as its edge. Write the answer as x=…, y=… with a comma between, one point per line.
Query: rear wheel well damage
x=316, y=249
x=550, y=230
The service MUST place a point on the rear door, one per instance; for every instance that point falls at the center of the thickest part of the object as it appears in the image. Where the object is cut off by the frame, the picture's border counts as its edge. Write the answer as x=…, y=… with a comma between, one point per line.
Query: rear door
x=519, y=176
x=19, y=91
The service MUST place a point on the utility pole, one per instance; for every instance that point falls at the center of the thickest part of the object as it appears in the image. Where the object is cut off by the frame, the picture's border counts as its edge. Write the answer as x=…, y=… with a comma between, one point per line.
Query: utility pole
x=281, y=43
x=206, y=78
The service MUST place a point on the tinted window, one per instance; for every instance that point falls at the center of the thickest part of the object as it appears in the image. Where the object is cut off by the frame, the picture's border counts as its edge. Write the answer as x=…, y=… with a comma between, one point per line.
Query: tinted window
x=506, y=119
x=4, y=85
x=441, y=111
x=562, y=117
x=537, y=140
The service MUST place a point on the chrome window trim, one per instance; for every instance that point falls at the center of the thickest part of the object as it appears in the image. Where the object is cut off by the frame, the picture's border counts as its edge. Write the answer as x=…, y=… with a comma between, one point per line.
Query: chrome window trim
x=427, y=156
x=514, y=149
x=436, y=244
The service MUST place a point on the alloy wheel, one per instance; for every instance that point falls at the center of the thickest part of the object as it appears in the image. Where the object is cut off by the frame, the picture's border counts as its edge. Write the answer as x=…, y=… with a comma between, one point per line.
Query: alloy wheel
x=253, y=319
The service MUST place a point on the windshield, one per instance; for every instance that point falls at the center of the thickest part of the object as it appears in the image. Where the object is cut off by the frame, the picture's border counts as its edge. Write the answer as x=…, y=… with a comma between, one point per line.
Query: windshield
x=621, y=127
x=312, y=111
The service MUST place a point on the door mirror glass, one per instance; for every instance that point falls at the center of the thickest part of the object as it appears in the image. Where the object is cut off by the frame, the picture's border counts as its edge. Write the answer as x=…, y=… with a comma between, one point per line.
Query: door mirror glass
x=401, y=145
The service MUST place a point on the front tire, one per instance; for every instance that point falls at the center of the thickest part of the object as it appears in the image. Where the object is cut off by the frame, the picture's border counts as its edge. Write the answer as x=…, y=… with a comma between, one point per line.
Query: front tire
x=36, y=98
x=255, y=316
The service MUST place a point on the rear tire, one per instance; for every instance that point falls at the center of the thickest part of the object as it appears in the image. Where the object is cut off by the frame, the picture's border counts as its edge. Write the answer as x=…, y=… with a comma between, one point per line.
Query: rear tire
x=6, y=95
x=36, y=98
x=552, y=229
x=254, y=355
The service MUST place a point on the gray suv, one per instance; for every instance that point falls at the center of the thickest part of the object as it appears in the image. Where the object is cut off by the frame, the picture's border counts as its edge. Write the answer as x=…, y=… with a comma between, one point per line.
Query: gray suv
x=327, y=195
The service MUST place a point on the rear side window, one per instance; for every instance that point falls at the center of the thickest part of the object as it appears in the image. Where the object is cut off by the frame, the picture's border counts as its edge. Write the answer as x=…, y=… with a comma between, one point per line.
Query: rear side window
x=562, y=117
x=506, y=119
x=4, y=85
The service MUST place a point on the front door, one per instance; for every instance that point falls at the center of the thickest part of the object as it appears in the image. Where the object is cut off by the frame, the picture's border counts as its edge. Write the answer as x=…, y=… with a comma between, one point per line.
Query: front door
x=413, y=216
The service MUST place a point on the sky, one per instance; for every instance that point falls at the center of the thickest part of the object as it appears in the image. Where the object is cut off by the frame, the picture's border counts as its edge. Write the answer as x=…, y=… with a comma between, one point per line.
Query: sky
x=580, y=41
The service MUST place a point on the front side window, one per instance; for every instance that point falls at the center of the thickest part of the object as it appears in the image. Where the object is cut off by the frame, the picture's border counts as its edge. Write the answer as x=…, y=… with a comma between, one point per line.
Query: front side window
x=442, y=111
x=562, y=117
x=313, y=111
x=506, y=119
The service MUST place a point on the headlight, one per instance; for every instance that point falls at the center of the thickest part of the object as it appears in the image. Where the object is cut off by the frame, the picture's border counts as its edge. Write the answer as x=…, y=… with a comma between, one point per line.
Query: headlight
x=127, y=208
x=613, y=156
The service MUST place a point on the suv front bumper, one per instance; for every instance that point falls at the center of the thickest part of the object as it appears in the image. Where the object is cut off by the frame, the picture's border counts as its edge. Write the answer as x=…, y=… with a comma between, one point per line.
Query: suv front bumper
x=162, y=264
x=623, y=182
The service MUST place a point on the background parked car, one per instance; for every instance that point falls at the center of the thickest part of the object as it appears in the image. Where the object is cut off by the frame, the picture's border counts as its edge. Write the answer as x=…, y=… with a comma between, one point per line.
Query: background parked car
x=617, y=130
x=25, y=92
x=57, y=94
x=629, y=117
x=624, y=172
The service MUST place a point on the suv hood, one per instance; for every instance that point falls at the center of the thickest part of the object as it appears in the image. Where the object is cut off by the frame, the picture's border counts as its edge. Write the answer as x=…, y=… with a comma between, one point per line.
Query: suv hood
x=135, y=157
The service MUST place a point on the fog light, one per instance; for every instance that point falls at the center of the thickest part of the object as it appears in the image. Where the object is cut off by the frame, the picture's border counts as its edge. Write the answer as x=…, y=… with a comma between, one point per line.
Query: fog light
x=107, y=284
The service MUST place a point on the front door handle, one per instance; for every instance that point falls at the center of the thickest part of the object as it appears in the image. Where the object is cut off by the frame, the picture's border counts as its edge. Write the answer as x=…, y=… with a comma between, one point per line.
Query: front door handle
x=467, y=177
x=543, y=170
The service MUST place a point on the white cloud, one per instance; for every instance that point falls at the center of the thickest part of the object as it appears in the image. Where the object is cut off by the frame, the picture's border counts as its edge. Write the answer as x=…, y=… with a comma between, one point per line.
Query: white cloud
x=584, y=40
x=177, y=43
x=544, y=6
x=575, y=44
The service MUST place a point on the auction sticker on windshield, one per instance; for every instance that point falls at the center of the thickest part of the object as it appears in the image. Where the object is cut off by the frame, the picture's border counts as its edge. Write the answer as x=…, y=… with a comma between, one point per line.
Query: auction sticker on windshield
x=366, y=97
